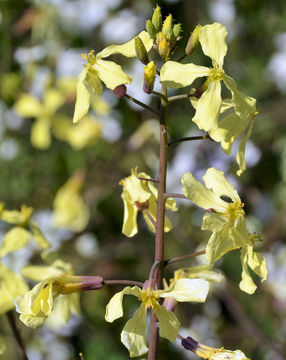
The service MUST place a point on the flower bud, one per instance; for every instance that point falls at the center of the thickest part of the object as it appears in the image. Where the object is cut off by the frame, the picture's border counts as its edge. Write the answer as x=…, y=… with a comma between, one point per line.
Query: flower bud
x=176, y=30
x=157, y=18
x=164, y=49
x=151, y=29
x=168, y=24
x=149, y=77
x=120, y=91
x=141, y=51
x=193, y=41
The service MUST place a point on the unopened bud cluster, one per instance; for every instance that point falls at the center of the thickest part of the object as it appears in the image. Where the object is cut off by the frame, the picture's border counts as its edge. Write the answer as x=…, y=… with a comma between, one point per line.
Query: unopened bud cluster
x=165, y=34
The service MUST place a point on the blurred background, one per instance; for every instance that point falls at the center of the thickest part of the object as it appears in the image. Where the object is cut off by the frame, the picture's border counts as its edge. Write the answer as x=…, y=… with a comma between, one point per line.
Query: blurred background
x=41, y=43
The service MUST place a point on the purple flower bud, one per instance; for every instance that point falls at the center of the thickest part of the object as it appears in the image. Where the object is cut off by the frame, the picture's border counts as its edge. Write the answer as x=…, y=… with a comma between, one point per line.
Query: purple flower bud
x=120, y=91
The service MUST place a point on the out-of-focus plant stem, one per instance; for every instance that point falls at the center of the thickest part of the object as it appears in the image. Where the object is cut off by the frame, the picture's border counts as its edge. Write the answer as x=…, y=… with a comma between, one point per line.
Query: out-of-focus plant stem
x=159, y=238
x=17, y=335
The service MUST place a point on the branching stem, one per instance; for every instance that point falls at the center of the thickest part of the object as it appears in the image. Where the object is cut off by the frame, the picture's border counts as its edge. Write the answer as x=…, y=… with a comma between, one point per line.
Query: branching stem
x=188, y=138
x=184, y=257
x=180, y=97
x=147, y=107
x=175, y=195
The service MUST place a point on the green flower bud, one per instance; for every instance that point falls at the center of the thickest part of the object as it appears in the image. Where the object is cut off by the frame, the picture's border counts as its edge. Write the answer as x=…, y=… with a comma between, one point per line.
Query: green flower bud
x=176, y=30
x=141, y=51
x=168, y=24
x=193, y=41
x=157, y=18
x=150, y=29
x=169, y=35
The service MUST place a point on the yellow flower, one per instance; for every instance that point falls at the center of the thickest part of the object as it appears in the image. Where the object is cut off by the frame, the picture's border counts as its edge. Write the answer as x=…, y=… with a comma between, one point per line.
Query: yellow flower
x=44, y=112
x=141, y=195
x=208, y=107
x=70, y=211
x=225, y=218
x=97, y=70
x=133, y=333
x=18, y=237
x=11, y=286
x=55, y=296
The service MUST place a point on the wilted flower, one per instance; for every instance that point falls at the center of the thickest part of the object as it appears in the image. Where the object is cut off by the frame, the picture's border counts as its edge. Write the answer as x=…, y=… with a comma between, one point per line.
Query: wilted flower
x=141, y=195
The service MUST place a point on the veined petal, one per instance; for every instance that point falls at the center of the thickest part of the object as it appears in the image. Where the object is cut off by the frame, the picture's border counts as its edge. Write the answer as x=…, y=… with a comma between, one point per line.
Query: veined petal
x=82, y=96
x=28, y=106
x=176, y=75
x=214, y=222
x=111, y=74
x=230, y=237
x=212, y=39
x=246, y=284
x=41, y=134
x=40, y=273
x=230, y=127
x=200, y=195
x=257, y=263
x=203, y=272
x=129, y=227
x=133, y=333
x=114, y=308
x=208, y=107
x=244, y=105
x=136, y=188
x=216, y=181
x=127, y=49
x=152, y=210
x=169, y=324
x=185, y=290
x=15, y=239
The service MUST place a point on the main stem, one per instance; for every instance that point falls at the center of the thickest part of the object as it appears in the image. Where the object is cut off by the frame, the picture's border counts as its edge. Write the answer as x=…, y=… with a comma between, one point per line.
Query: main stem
x=17, y=335
x=159, y=238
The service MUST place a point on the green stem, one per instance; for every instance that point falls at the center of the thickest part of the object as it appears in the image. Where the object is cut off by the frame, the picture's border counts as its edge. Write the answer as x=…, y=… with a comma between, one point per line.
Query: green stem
x=147, y=107
x=160, y=95
x=159, y=238
x=180, y=97
x=17, y=335
x=184, y=257
x=188, y=138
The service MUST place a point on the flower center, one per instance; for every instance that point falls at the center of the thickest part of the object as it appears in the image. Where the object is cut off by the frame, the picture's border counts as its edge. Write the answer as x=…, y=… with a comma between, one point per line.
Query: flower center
x=216, y=74
x=148, y=298
x=90, y=57
x=235, y=211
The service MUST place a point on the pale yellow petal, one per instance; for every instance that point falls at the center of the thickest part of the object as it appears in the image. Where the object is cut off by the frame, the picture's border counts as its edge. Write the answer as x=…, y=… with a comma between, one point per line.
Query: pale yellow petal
x=216, y=181
x=28, y=106
x=214, y=222
x=185, y=290
x=127, y=49
x=82, y=96
x=111, y=74
x=203, y=272
x=208, y=107
x=11, y=286
x=212, y=39
x=168, y=323
x=114, y=308
x=40, y=273
x=246, y=284
x=133, y=333
x=129, y=227
x=41, y=134
x=176, y=75
x=240, y=156
x=13, y=240
x=230, y=237
x=200, y=195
